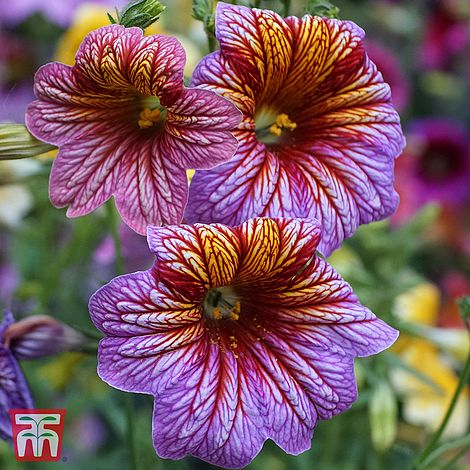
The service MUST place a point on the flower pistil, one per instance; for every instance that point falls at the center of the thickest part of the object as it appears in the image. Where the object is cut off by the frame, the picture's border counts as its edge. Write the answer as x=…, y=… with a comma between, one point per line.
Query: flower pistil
x=222, y=304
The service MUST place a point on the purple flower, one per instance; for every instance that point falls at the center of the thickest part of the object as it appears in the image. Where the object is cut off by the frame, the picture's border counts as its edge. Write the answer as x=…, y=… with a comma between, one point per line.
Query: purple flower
x=446, y=35
x=40, y=336
x=319, y=134
x=126, y=126
x=241, y=334
x=435, y=167
x=14, y=392
x=56, y=11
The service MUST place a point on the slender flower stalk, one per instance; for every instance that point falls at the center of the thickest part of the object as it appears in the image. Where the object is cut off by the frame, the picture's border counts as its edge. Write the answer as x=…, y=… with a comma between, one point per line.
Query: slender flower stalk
x=422, y=458
x=113, y=223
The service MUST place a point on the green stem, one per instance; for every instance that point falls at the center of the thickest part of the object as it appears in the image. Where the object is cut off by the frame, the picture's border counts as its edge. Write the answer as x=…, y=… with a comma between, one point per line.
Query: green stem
x=114, y=228
x=433, y=456
x=130, y=431
x=286, y=7
x=438, y=434
x=113, y=221
x=211, y=42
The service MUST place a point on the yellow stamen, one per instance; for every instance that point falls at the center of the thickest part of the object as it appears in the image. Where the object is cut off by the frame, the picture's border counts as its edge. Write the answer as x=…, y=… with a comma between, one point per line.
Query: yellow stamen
x=282, y=123
x=217, y=313
x=148, y=117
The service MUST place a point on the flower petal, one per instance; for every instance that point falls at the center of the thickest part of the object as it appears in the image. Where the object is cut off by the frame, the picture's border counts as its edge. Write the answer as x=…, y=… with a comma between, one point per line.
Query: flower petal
x=197, y=129
x=152, y=190
x=85, y=173
x=209, y=412
x=122, y=365
x=259, y=42
x=117, y=57
x=14, y=391
x=66, y=108
x=235, y=191
x=275, y=247
x=195, y=258
x=139, y=304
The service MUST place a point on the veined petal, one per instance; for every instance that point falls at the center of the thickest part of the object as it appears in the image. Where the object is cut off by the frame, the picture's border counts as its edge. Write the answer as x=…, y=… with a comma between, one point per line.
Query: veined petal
x=152, y=190
x=336, y=163
x=210, y=413
x=85, y=173
x=139, y=304
x=157, y=67
x=195, y=258
x=274, y=247
x=216, y=74
x=66, y=108
x=120, y=365
x=14, y=391
x=235, y=191
x=197, y=129
x=259, y=42
x=117, y=57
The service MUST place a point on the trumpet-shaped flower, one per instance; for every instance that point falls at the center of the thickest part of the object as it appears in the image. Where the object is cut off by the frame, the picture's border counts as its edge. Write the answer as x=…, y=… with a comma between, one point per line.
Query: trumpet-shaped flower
x=319, y=134
x=241, y=334
x=126, y=126
x=14, y=391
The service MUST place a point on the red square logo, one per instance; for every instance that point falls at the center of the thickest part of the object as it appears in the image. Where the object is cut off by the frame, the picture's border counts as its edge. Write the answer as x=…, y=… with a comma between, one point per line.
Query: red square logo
x=37, y=434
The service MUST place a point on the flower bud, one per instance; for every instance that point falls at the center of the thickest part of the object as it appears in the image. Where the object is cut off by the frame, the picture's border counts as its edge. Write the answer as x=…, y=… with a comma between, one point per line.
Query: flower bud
x=383, y=416
x=40, y=336
x=140, y=13
x=322, y=8
x=16, y=142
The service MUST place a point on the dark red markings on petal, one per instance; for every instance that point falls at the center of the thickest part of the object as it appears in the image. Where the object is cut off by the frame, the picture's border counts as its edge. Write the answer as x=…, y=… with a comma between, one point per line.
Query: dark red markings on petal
x=152, y=190
x=237, y=190
x=140, y=304
x=66, y=108
x=156, y=67
x=85, y=172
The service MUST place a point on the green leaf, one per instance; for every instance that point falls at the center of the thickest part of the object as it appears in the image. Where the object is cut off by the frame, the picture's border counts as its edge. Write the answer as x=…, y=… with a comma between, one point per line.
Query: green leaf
x=29, y=434
x=46, y=434
x=26, y=418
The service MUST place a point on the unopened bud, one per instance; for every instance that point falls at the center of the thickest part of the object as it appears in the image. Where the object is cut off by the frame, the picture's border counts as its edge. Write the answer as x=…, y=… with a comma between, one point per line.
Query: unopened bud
x=16, y=142
x=383, y=416
x=140, y=13
x=40, y=336
x=322, y=8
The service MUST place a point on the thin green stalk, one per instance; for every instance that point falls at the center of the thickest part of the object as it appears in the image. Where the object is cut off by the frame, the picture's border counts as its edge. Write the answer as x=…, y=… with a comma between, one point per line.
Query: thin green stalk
x=438, y=434
x=130, y=410
x=114, y=228
x=211, y=43
x=113, y=221
x=434, y=455
x=286, y=7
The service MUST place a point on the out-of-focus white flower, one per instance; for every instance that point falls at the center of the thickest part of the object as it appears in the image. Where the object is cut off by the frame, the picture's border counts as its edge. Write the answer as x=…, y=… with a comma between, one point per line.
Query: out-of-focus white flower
x=15, y=199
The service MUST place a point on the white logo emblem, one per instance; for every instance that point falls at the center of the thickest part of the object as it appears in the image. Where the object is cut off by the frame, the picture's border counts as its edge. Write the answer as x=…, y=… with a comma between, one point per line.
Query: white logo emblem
x=37, y=433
